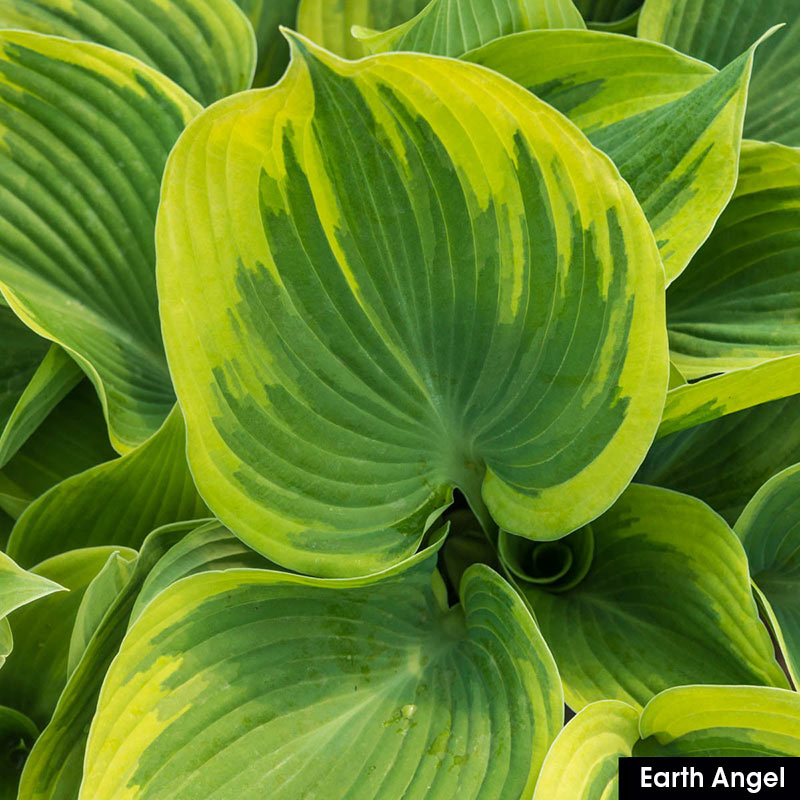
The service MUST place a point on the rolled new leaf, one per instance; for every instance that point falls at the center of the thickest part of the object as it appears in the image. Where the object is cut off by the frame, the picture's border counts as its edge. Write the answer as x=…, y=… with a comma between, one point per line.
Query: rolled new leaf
x=118, y=502
x=86, y=134
x=737, y=303
x=330, y=24
x=347, y=349
x=454, y=27
x=769, y=528
x=726, y=459
x=717, y=30
x=670, y=123
x=653, y=594
x=35, y=673
x=205, y=46
x=425, y=700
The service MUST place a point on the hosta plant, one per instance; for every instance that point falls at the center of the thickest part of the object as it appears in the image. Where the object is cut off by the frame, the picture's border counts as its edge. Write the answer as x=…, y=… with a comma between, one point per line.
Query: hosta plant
x=383, y=384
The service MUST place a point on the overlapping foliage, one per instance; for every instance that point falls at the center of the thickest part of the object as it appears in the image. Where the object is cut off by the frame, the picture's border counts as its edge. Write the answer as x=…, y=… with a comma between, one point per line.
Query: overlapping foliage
x=352, y=425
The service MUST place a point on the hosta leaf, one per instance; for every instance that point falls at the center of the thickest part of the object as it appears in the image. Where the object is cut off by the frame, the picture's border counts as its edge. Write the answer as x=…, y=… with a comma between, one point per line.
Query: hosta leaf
x=207, y=547
x=718, y=30
x=21, y=352
x=72, y=438
x=607, y=10
x=19, y=587
x=206, y=46
x=582, y=763
x=96, y=601
x=690, y=721
x=328, y=24
x=266, y=17
x=738, y=303
x=35, y=673
x=453, y=27
x=55, y=766
x=689, y=405
x=769, y=528
x=671, y=124
x=55, y=376
x=6, y=640
x=360, y=346
x=654, y=594
x=404, y=696
x=721, y=721
x=17, y=734
x=119, y=502
x=726, y=460
x=84, y=135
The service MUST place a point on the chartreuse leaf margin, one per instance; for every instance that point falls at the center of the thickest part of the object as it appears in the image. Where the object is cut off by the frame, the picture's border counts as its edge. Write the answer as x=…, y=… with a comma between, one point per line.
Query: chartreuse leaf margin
x=404, y=694
x=84, y=135
x=361, y=346
x=690, y=721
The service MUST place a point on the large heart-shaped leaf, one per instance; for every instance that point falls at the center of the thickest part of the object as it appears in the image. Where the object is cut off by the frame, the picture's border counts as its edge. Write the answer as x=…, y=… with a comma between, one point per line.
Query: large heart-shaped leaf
x=329, y=24
x=671, y=124
x=403, y=695
x=35, y=673
x=54, y=768
x=718, y=30
x=71, y=439
x=86, y=132
x=453, y=27
x=347, y=349
x=653, y=594
x=726, y=460
x=583, y=762
x=267, y=16
x=119, y=502
x=206, y=46
x=769, y=528
x=738, y=303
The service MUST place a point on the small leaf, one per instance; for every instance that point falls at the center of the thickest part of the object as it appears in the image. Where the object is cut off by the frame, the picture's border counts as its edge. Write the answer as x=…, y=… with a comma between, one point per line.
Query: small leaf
x=352, y=364
x=454, y=27
x=692, y=404
x=427, y=701
x=19, y=587
x=717, y=30
x=726, y=460
x=582, y=763
x=719, y=721
x=769, y=528
x=56, y=375
x=654, y=594
x=36, y=671
x=118, y=503
x=738, y=302
x=71, y=439
x=205, y=46
x=671, y=124
x=266, y=17
x=329, y=24
x=86, y=133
